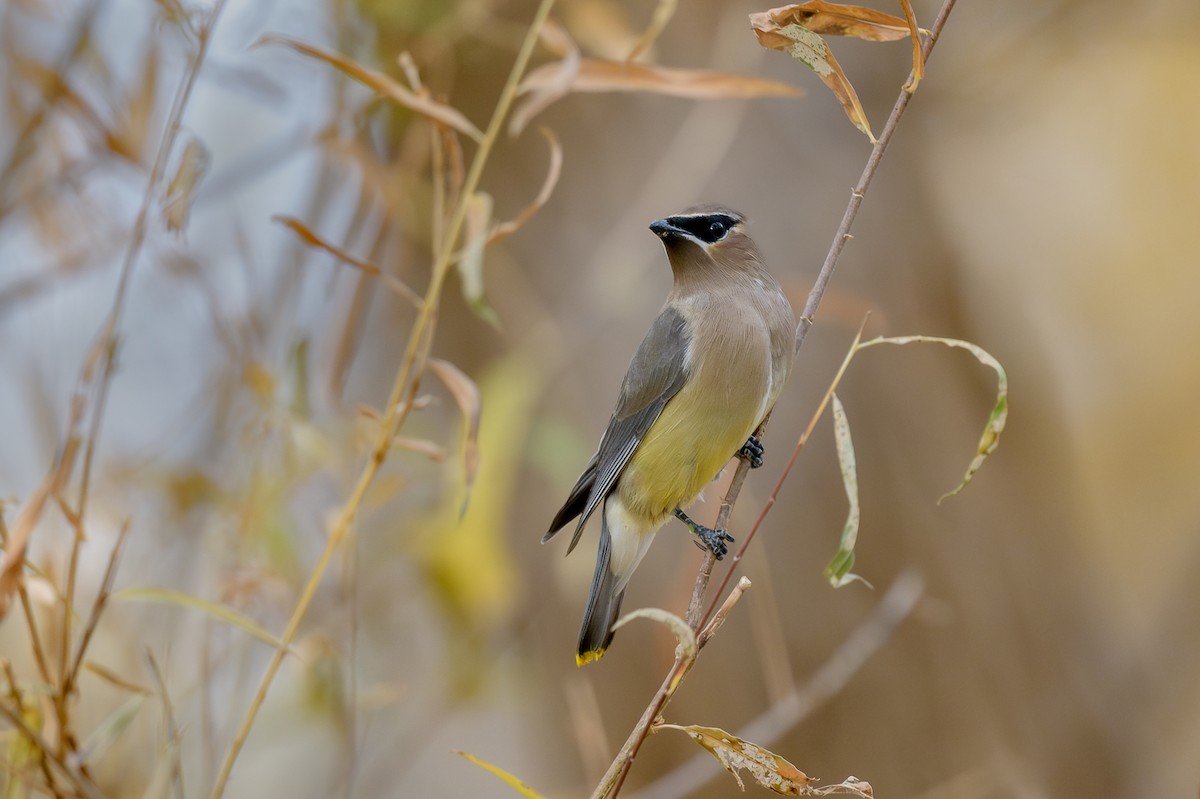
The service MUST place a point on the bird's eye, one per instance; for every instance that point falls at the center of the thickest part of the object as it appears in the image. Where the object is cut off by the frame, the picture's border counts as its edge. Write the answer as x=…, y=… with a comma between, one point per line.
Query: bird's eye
x=717, y=228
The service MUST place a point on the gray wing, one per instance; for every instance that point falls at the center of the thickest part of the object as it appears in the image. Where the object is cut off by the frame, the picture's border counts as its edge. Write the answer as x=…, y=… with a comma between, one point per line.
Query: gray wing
x=656, y=374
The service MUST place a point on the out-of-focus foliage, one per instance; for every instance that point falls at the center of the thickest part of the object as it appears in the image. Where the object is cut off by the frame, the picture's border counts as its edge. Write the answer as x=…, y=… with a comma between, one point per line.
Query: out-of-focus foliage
x=1038, y=200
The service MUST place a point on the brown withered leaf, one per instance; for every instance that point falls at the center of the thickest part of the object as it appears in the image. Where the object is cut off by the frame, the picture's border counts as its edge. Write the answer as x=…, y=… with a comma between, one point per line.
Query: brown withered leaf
x=313, y=240
x=177, y=205
x=768, y=769
x=556, y=39
x=466, y=395
x=697, y=84
x=914, y=33
x=134, y=130
x=506, y=229
x=851, y=786
x=811, y=50
x=828, y=19
x=383, y=84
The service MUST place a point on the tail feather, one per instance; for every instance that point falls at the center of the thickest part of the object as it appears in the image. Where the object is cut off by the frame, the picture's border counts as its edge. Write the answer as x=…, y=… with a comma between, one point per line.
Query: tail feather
x=603, y=605
x=575, y=503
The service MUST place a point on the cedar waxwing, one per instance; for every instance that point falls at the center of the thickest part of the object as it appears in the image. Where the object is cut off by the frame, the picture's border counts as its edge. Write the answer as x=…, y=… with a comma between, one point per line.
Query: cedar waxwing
x=702, y=380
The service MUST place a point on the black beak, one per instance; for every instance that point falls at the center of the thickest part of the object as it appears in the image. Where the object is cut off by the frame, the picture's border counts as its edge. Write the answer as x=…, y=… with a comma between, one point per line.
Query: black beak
x=664, y=229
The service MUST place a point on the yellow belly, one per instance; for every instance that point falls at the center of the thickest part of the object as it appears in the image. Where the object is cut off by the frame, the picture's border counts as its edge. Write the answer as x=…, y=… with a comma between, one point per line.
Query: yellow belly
x=692, y=439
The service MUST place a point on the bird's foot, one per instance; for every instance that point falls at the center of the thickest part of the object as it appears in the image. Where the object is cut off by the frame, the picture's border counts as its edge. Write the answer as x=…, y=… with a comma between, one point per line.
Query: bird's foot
x=752, y=451
x=712, y=540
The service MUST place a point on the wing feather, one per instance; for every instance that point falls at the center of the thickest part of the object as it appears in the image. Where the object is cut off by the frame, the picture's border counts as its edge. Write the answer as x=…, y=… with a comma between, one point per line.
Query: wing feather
x=658, y=371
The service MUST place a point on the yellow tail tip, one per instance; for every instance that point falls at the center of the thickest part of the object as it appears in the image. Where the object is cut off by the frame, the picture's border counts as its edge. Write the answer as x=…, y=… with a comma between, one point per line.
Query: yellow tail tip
x=584, y=658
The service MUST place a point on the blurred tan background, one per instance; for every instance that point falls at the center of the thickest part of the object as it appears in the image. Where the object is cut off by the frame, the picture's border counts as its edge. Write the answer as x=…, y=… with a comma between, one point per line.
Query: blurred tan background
x=1040, y=199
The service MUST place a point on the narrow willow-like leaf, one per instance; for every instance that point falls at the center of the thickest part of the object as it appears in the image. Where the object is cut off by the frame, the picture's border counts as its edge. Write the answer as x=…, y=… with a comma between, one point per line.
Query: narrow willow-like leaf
x=470, y=405
x=222, y=612
x=111, y=728
x=687, y=638
x=383, y=84
x=838, y=571
x=506, y=229
x=996, y=419
x=508, y=779
x=470, y=264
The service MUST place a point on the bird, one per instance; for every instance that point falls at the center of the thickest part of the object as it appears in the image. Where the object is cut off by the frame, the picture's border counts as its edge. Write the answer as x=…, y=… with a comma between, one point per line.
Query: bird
x=704, y=378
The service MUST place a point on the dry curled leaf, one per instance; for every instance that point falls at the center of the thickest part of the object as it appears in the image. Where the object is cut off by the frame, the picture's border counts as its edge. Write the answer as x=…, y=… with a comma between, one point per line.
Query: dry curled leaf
x=850, y=786
x=506, y=229
x=767, y=768
x=558, y=41
x=918, y=54
x=811, y=50
x=698, y=84
x=382, y=84
x=828, y=19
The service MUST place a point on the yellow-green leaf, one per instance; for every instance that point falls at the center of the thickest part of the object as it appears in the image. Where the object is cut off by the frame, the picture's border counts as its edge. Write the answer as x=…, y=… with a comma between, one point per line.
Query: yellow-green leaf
x=838, y=571
x=999, y=414
x=767, y=768
x=470, y=404
x=470, y=262
x=507, y=778
x=170, y=597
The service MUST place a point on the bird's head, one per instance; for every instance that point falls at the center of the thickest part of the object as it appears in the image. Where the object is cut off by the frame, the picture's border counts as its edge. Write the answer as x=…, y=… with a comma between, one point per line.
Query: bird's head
x=705, y=235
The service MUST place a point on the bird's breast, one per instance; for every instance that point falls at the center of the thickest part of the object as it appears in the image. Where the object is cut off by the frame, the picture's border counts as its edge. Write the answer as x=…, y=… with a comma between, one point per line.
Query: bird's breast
x=729, y=390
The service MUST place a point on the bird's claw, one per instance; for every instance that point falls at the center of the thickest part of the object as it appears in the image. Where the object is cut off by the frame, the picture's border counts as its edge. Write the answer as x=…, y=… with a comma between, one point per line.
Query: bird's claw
x=707, y=538
x=752, y=451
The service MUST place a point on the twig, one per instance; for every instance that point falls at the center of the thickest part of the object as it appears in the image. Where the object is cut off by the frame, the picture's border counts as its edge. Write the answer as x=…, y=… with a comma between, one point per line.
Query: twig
x=818, y=290
x=806, y=319
x=825, y=683
x=98, y=607
x=408, y=376
x=614, y=778
x=174, y=734
x=711, y=629
x=35, y=640
x=787, y=467
x=74, y=774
